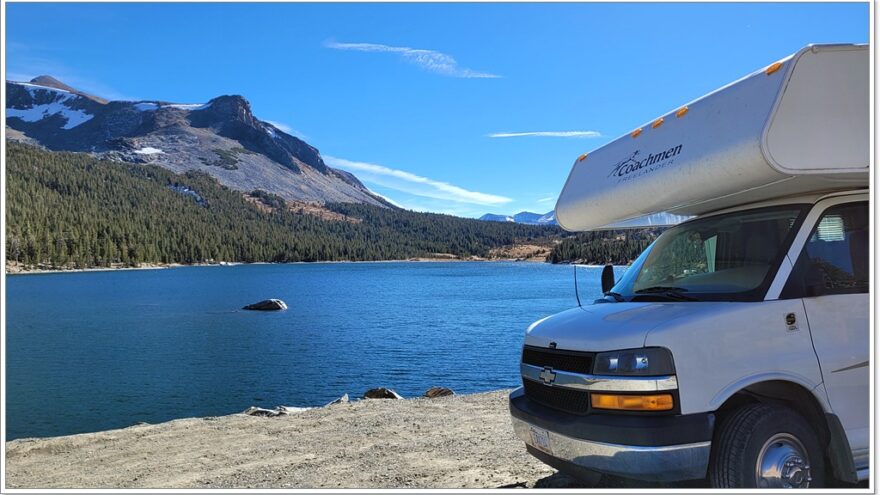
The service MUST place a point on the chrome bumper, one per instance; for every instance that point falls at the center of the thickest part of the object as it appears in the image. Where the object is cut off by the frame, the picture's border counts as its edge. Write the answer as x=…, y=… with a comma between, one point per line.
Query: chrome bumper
x=664, y=463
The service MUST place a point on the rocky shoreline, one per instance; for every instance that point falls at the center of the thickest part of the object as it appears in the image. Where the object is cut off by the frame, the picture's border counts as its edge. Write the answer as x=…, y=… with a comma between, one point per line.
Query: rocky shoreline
x=13, y=268
x=452, y=441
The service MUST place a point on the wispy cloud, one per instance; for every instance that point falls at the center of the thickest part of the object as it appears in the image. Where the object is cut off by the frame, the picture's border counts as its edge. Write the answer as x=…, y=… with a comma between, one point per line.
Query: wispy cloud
x=286, y=128
x=417, y=185
x=565, y=134
x=430, y=205
x=386, y=198
x=547, y=199
x=430, y=60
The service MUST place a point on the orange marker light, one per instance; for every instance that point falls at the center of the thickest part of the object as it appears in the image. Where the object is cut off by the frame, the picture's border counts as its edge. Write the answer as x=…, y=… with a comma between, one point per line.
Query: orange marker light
x=660, y=402
x=681, y=111
x=657, y=123
x=636, y=132
x=581, y=158
x=773, y=68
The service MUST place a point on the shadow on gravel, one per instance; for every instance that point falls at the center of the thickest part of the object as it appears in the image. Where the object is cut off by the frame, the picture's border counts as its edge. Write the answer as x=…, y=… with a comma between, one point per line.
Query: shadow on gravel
x=556, y=480
x=559, y=480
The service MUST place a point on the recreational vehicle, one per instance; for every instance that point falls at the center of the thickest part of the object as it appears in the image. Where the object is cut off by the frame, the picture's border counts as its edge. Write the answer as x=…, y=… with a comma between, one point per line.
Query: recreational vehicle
x=736, y=347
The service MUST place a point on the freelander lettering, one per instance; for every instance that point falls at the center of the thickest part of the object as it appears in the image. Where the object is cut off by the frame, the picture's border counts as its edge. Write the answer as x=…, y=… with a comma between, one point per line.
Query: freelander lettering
x=631, y=164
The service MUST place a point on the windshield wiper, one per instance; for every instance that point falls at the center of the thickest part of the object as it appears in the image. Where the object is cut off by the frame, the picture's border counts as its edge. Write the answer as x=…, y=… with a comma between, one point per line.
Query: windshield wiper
x=660, y=288
x=674, y=293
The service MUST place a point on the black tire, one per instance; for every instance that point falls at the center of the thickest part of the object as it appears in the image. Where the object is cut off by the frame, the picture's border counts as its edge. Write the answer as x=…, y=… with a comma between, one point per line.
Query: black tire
x=743, y=433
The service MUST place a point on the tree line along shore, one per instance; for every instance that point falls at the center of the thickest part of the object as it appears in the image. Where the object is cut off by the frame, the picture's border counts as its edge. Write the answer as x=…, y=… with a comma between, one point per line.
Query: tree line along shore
x=72, y=211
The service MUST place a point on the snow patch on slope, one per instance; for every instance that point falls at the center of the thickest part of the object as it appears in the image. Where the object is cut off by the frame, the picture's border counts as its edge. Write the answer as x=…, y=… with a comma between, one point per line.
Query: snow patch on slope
x=149, y=151
x=35, y=113
x=149, y=106
x=31, y=88
x=188, y=106
x=146, y=106
x=40, y=112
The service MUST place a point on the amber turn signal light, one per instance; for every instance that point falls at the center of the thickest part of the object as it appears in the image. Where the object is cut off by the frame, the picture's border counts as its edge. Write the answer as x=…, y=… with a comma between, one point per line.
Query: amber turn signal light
x=773, y=68
x=660, y=402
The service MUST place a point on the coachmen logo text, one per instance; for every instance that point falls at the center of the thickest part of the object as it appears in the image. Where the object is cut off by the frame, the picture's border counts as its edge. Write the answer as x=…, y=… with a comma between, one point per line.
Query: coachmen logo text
x=626, y=169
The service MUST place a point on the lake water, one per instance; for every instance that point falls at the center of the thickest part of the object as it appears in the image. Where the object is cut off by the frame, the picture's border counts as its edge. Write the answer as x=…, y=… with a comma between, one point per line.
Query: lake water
x=99, y=350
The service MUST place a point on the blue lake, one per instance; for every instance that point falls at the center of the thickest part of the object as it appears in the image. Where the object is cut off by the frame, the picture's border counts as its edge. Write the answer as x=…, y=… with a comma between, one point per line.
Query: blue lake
x=99, y=350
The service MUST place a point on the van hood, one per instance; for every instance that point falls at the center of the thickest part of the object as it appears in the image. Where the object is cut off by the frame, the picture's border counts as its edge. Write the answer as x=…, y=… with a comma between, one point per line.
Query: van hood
x=604, y=326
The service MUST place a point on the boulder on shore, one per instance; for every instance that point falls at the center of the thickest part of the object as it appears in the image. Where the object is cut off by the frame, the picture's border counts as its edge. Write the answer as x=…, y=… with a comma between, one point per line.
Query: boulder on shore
x=267, y=305
x=381, y=393
x=434, y=392
x=341, y=400
x=259, y=411
x=271, y=413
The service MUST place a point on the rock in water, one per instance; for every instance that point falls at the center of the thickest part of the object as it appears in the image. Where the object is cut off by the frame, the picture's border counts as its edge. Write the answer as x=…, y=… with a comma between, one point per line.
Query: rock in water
x=381, y=393
x=434, y=392
x=267, y=305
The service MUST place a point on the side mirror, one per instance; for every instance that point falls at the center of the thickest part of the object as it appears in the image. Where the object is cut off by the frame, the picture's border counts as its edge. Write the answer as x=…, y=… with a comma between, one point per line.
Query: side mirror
x=607, y=278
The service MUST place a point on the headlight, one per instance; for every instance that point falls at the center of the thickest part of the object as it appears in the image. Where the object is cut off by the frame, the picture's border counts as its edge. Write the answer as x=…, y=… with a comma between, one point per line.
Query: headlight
x=647, y=361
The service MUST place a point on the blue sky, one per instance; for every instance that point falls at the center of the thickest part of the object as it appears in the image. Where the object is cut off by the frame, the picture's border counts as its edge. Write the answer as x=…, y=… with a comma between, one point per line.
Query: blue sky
x=432, y=105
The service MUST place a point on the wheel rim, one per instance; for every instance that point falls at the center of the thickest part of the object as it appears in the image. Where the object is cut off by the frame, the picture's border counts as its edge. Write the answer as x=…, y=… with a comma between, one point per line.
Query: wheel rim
x=783, y=463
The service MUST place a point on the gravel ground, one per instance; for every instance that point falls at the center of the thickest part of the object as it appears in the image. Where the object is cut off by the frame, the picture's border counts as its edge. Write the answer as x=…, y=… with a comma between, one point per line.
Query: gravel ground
x=451, y=442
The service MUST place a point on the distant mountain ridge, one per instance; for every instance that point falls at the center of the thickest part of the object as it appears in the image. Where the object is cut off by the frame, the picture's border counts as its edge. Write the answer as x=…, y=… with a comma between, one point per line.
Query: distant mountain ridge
x=524, y=217
x=221, y=137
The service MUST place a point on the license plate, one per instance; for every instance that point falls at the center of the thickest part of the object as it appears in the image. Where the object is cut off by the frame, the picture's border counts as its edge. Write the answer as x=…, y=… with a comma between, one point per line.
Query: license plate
x=540, y=439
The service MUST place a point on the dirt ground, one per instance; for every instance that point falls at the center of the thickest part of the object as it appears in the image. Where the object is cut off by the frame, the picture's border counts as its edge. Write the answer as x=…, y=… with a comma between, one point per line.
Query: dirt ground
x=450, y=442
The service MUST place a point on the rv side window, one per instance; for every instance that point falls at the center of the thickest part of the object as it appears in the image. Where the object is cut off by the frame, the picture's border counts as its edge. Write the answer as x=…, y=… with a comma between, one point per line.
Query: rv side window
x=835, y=258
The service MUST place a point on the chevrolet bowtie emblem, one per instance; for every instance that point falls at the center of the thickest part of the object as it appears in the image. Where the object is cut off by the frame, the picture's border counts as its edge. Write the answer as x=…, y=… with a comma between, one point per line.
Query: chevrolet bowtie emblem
x=547, y=376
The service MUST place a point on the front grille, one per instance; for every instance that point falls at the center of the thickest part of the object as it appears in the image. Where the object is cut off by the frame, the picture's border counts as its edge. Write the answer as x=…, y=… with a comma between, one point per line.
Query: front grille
x=573, y=361
x=564, y=399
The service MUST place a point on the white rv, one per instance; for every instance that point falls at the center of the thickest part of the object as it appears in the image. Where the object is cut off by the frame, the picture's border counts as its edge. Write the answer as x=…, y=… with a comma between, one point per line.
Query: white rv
x=736, y=347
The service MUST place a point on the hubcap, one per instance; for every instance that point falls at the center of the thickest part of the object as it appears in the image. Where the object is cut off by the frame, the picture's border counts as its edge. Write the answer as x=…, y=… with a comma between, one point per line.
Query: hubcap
x=783, y=463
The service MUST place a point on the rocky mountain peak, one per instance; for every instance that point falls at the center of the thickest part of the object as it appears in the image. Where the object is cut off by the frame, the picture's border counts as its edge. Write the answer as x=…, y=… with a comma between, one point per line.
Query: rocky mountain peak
x=221, y=137
x=232, y=107
x=51, y=82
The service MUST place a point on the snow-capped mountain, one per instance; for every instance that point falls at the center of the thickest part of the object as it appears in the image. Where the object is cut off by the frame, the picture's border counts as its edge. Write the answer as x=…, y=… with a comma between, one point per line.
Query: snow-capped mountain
x=548, y=218
x=490, y=217
x=525, y=217
x=221, y=137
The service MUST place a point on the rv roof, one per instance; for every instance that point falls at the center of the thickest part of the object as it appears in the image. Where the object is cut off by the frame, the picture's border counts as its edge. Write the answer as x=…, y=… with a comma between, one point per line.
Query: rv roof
x=797, y=126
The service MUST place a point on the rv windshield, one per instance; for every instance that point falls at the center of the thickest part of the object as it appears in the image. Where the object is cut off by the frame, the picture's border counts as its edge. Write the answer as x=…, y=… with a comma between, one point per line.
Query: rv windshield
x=723, y=257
